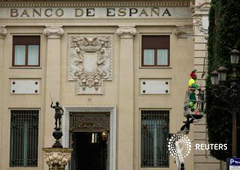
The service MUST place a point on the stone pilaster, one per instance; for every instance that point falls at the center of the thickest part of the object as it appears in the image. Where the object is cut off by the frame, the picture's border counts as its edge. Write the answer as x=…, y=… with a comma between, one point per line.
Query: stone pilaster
x=126, y=105
x=3, y=33
x=52, y=79
x=202, y=160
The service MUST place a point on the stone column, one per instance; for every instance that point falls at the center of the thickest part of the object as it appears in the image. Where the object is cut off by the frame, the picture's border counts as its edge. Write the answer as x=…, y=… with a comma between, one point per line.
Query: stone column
x=126, y=105
x=3, y=32
x=53, y=69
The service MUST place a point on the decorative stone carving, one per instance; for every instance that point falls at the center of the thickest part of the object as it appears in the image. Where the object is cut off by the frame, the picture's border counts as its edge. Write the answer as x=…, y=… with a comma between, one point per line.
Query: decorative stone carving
x=3, y=32
x=198, y=21
x=90, y=62
x=200, y=17
x=57, y=157
x=53, y=32
x=126, y=31
x=89, y=121
x=183, y=32
x=205, y=6
x=180, y=31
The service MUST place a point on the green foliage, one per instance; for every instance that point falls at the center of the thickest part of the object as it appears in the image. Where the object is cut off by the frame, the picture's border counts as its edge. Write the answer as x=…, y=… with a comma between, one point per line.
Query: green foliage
x=224, y=34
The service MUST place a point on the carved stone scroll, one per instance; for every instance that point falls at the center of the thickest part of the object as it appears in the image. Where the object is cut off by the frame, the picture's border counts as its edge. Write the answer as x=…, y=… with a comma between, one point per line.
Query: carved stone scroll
x=3, y=32
x=90, y=62
x=126, y=31
x=54, y=32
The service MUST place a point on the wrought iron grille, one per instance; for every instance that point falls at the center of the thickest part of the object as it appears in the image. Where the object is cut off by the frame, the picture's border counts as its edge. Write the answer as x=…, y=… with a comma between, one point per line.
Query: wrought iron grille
x=154, y=134
x=24, y=138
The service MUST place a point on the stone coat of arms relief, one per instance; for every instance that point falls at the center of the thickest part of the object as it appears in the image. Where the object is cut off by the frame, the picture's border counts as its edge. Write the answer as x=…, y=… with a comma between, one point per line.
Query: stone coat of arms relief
x=90, y=62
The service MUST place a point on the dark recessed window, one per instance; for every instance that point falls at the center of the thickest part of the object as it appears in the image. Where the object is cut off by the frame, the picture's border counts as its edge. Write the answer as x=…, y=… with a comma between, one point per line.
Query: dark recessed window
x=155, y=50
x=24, y=138
x=154, y=134
x=26, y=51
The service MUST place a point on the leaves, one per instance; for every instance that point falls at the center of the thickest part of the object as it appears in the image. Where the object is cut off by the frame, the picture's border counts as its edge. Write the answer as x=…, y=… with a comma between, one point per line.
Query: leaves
x=224, y=33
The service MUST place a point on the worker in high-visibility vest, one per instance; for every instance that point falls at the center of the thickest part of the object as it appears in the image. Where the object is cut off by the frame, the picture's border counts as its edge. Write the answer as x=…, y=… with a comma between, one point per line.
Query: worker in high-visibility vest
x=192, y=87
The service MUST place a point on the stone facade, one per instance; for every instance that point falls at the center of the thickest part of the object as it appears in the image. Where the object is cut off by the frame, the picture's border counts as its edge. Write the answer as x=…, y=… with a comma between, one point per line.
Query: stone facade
x=91, y=61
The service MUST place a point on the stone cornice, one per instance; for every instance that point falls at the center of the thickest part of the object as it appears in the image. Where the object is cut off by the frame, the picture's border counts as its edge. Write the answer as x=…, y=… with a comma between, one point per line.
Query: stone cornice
x=53, y=32
x=166, y=3
x=126, y=31
x=3, y=32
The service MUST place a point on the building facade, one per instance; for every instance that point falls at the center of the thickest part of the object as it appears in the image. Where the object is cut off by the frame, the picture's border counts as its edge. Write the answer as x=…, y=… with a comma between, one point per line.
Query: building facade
x=118, y=69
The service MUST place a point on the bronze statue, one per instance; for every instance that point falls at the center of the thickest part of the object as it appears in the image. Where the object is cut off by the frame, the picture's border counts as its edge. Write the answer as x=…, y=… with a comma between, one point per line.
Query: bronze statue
x=58, y=114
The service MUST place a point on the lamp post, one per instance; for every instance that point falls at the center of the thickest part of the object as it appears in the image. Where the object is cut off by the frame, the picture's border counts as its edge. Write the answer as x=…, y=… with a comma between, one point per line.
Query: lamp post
x=219, y=77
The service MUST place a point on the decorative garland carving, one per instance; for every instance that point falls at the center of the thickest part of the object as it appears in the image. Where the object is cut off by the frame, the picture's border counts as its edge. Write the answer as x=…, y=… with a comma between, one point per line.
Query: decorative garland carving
x=197, y=21
x=90, y=62
x=201, y=10
x=3, y=32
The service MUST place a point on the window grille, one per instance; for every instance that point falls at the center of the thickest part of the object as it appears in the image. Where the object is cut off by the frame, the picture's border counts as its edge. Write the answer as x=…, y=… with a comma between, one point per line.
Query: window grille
x=154, y=134
x=24, y=138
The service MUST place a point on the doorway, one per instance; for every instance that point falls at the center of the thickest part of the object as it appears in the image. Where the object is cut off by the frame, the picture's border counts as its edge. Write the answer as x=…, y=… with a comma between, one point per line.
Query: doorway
x=89, y=151
x=89, y=138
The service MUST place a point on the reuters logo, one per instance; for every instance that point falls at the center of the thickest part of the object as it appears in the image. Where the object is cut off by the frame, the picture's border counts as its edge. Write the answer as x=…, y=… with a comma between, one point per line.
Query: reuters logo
x=179, y=145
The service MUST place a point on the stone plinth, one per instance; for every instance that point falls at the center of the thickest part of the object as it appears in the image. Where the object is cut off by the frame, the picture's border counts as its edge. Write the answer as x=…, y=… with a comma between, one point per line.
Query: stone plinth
x=57, y=158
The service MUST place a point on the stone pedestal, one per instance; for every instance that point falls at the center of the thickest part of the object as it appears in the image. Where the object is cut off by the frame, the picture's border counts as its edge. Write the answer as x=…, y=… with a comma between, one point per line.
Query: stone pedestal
x=57, y=158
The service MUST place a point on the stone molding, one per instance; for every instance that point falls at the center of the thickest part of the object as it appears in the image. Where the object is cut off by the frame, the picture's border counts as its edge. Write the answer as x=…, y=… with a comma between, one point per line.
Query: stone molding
x=3, y=32
x=54, y=32
x=90, y=62
x=166, y=3
x=205, y=6
x=57, y=156
x=126, y=31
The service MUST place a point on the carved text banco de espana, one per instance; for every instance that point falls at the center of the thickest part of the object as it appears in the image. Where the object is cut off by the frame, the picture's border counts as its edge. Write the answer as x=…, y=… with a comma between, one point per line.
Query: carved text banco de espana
x=90, y=12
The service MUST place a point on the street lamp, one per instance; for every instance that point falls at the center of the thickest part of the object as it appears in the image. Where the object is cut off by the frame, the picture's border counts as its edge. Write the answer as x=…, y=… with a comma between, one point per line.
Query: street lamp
x=234, y=54
x=214, y=78
x=219, y=77
x=222, y=74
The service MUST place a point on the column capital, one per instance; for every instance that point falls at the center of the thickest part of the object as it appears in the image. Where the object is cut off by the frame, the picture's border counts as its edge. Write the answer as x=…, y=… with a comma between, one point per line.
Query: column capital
x=3, y=31
x=57, y=157
x=53, y=32
x=126, y=31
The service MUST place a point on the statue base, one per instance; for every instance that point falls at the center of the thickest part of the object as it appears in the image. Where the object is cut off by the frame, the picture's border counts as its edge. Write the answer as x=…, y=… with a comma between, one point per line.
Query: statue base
x=57, y=134
x=57, y=158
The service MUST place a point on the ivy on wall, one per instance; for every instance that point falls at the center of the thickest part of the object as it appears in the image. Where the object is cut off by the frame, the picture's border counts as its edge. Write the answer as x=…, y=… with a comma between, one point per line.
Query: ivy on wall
x=224, y=35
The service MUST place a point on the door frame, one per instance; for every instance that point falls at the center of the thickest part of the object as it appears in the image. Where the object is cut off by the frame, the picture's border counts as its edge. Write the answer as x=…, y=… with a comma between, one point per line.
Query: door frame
x=113, y=127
